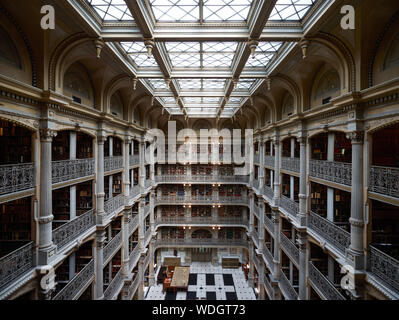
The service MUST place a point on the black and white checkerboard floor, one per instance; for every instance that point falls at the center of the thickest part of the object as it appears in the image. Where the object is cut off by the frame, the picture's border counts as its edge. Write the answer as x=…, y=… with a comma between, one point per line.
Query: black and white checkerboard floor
x=209, y=282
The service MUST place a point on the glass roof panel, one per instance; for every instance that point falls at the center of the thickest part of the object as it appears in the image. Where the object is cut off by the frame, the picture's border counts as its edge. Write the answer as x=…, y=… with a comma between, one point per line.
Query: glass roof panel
x=264, y=52
x=202, y=100
x=157, y=84
x=111, y=10
x=138, y=52
x=244, y=85
x=291, y=9
x=226, y=10
x=201, y=84
x=168, y=100
x=175, y=10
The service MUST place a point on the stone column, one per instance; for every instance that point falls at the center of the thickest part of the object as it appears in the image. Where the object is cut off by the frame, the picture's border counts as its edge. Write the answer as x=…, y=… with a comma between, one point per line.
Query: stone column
x=261, y=225
x=46, y=248
x=275, y=277
x=100, y=178
x=151, y=273
x=126, y=166
x=72, y=189
x=140, y=289
x=355, y=253
x=302, y=180
x=251, y=274
x=261, y=172
x=142, y=164
x=251, y=211
x=330, y=191
x=261, y=279
x=127, y=216
x=276, y=171
x=99, y=263
x=141, y=224
x=303, y=265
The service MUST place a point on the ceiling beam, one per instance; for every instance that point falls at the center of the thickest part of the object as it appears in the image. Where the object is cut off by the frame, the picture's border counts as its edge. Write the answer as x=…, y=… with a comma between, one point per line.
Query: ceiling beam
x=257, y=24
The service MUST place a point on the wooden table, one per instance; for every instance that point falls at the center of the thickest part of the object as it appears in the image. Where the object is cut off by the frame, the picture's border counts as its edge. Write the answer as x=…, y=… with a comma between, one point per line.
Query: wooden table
x=180, y=278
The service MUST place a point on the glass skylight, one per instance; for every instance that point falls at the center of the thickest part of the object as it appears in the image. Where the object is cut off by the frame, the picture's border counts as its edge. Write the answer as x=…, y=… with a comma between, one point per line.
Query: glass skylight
x=201, y=100
x=201, y=84
x=175, y=10
x=235, y=100
x=168, y=100
x=111, y=10
x=244, y=85
x=138, y=52
x=226, y=10
x=201, y=55
x=263, y=54
x=291, y=9
x=157, y=84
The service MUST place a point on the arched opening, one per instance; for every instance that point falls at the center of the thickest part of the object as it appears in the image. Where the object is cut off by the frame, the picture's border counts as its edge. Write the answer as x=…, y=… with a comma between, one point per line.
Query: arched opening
x=116, y=107
x=328, y=86
x=71, y=145
x=78, y=85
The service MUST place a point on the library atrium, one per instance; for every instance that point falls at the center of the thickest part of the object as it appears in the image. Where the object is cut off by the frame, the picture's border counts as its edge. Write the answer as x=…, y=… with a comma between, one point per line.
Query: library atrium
x=99, y=97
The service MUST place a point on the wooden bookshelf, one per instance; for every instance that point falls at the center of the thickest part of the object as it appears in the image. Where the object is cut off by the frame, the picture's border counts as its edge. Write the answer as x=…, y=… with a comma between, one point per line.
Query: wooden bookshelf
x=61, y=206
x=15, y=144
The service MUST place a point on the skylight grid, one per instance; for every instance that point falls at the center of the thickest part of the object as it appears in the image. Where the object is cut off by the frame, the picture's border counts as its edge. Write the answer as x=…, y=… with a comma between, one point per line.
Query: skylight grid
x=264, y=52
x=201, y=84
x=111, y=10
x=293, y=10
x=175, y=10
x=244, y=85
x=226, y=10
x=157, y=84
x=201, y=100
x=169, y=100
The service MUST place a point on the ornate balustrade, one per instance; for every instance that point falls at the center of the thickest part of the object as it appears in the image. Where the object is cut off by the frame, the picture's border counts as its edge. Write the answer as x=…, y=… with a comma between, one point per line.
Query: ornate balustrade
x=334, y=235
x=289, y=248
x=268, y=224
x=201, y=199
x=290, y=164
x=268, y=192
x=287, y=288
x=269, y=161
x=134, y=257
x=384, y=180
x=201, y=178
x=384, y=267
x=255, y=236
x=134, y=223
x=114, y=287
x=67, y=170
x=113, y=204
x=112, y=247
x=201, y=242
x=134, y=191
x=291, y=206
x=147, y=236
x=255, y=184
x=256, y=262
x=268, y=257
x=17, y=177
x=147, y=209
x=147, y=261
x=268, y=286
x=113, y=163
x=201, y=220
x=134, y=160
x=73, y=229
x=134, y=286
x=257, y=211
x=148, y=183
x=78, y=284
x=16, y=263
x=322, y=284
x=338, y=172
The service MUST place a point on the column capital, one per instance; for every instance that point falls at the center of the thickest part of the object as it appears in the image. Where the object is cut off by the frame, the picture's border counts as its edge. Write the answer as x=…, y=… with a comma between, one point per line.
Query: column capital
x=302, y=140
x=357, y=137
x=47, y=135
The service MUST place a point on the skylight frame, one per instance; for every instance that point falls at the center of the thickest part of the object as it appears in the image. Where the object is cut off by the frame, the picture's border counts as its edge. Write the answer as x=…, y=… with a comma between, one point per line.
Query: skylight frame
x=116, y=9
x=291, y=10
x=138, y=54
